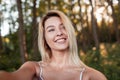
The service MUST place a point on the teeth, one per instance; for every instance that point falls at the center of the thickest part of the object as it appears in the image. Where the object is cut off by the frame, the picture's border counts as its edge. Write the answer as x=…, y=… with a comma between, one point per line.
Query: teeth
x=60, y=40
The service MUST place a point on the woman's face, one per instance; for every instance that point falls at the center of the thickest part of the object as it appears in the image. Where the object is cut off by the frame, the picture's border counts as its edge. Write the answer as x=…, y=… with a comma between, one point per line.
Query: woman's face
x=55, y=34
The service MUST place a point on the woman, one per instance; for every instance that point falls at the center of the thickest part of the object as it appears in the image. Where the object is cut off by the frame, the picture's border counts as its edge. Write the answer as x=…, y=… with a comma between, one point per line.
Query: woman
x=60, y=61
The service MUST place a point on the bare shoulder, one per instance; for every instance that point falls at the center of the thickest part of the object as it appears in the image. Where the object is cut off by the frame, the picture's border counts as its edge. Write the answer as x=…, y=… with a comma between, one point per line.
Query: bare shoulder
x=94, y=74
x=29, y=64
x=28, y=70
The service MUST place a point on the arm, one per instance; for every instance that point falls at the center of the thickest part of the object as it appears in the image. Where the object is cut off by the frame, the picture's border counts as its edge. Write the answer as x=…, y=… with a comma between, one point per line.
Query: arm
x=5, y=75
x=25, y=72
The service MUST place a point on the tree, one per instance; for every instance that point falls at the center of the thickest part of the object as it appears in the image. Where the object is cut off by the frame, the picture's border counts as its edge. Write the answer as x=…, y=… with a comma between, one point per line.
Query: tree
x=84, y=34
x=115, y=22
x=34, y=31
x=49, y=4
x=94, y=26
x=119, y=4
x=21, y=33
x=1, y=46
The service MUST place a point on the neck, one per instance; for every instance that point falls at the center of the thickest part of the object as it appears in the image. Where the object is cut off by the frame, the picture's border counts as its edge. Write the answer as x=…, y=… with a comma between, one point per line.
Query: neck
x=60, y=58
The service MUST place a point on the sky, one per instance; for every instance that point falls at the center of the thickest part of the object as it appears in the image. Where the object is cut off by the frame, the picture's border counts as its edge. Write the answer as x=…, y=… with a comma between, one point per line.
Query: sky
x=5, y=14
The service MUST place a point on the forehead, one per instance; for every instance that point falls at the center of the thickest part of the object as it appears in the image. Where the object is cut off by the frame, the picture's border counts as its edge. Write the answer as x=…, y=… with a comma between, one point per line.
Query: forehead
x=53, y=21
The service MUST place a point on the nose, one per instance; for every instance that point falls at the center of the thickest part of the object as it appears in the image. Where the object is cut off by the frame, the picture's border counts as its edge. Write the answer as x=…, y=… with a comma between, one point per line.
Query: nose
x=59, y=32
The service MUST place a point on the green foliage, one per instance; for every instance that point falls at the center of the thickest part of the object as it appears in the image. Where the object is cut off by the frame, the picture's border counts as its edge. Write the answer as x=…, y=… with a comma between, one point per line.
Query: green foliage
x=9, y=62
x=10, y=57
x=108, y=64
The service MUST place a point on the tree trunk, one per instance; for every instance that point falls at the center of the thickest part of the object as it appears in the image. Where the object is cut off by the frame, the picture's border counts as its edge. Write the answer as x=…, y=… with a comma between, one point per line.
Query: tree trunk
x=34, y=32
x=49, y=4
x=119, y=4
x=115, y=22
x=21, y=33
x=94, y=26
x=83, y=30
x=1, y=45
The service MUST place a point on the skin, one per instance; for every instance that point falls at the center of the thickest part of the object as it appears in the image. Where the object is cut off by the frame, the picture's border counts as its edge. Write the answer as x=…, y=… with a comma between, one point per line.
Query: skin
x=57, y=39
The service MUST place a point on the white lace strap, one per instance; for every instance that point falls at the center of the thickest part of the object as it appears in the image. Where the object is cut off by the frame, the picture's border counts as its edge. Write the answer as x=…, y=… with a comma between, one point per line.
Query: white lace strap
x=81, y=73
x=41, y=78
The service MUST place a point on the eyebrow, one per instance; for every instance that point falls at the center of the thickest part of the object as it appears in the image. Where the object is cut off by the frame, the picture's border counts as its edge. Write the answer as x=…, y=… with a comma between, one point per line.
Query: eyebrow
x=52, y=26
x=49, y=26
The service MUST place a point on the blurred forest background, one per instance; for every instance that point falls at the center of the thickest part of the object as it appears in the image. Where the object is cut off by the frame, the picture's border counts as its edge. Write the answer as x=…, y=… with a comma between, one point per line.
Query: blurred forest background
x=96, y=22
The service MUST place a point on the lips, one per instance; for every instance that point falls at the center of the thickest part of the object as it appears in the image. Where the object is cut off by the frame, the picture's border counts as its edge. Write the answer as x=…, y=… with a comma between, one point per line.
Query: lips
x=60, y=40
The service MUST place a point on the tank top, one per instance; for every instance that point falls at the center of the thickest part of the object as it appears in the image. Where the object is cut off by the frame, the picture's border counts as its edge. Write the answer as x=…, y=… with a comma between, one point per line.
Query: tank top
x=41, y=78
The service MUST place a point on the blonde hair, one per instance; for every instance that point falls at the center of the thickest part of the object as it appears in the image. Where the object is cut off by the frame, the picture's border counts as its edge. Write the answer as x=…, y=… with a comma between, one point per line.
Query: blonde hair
x=44, y=48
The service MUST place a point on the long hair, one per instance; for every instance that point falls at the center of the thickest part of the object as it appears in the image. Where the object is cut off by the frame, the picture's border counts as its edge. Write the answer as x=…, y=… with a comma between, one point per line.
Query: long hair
x=43, y=46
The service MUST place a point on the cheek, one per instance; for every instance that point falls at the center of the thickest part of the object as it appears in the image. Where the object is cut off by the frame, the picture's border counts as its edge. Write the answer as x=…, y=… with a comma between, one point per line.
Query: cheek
x=48, y=38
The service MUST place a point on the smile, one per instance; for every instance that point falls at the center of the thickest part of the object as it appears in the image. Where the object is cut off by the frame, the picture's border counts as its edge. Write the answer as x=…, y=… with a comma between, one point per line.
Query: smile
x=60, y=40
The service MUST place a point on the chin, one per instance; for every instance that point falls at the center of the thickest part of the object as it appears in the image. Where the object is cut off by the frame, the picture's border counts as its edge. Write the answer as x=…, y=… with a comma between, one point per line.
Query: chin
x=62, y=48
